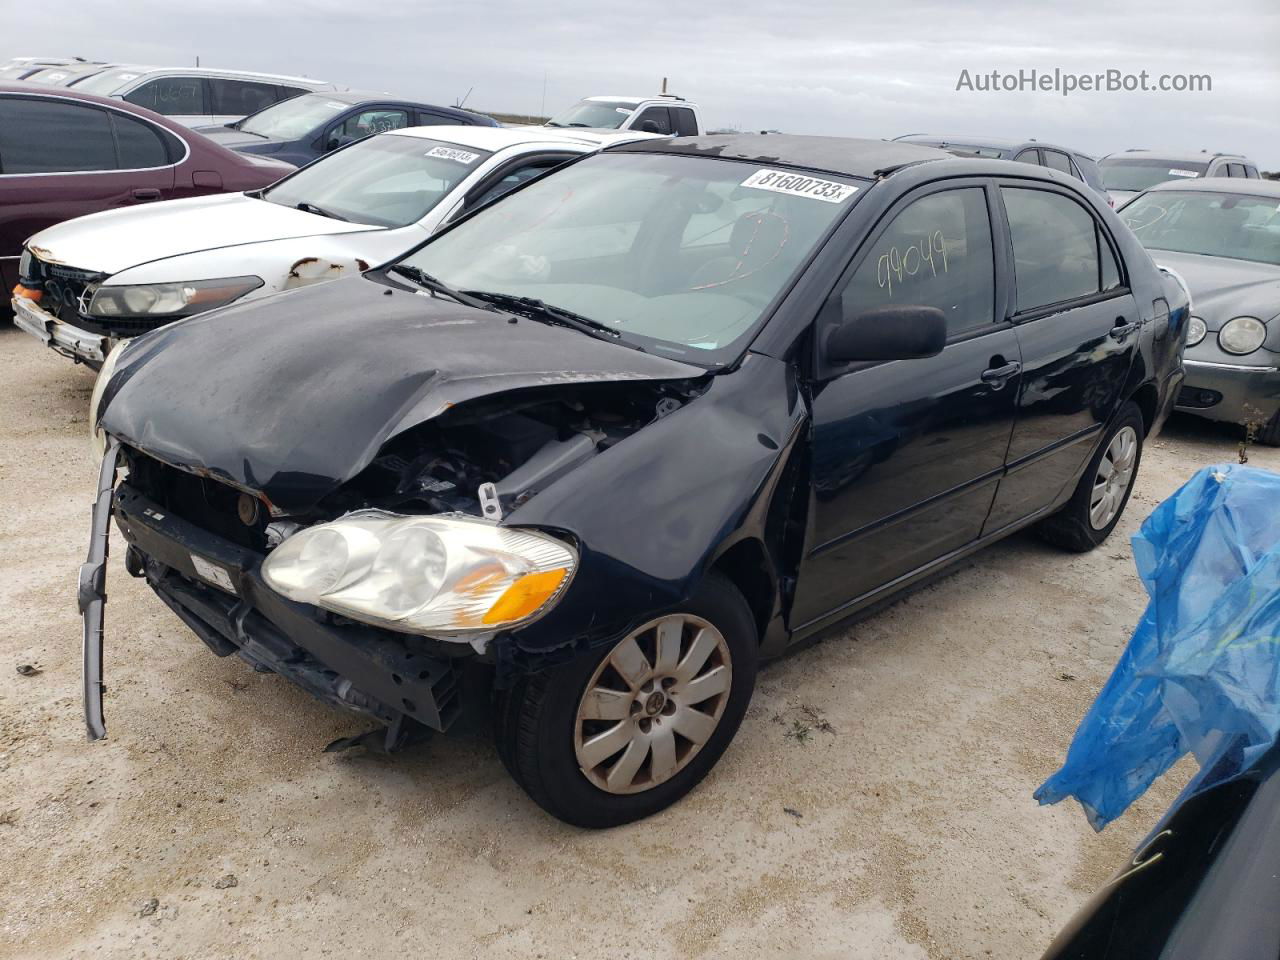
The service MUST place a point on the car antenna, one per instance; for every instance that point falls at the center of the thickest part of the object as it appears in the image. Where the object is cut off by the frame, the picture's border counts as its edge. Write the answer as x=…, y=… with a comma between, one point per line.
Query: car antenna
x=464, y=99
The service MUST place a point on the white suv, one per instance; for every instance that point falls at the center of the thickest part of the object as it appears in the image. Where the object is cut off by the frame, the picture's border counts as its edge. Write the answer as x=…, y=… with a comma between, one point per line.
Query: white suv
x=195, y=96
x=665, y=114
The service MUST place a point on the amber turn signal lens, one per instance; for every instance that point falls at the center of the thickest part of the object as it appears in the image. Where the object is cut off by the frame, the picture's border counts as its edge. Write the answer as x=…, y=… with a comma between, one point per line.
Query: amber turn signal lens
x=27, y=293
x=525, y=596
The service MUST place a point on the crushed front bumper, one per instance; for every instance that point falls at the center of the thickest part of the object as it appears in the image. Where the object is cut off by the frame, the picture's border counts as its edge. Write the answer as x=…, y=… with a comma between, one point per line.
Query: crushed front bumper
x=1230, y=392
x=70, y=341
x=215, y=588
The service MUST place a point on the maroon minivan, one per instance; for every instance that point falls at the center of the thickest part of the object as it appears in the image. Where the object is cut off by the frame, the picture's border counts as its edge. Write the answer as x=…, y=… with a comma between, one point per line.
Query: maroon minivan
x=64, y=154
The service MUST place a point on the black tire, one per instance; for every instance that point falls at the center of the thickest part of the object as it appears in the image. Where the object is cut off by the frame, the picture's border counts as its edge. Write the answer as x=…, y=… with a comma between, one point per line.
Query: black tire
x=1269, y=435
x=1070, y=528
x=535, y=722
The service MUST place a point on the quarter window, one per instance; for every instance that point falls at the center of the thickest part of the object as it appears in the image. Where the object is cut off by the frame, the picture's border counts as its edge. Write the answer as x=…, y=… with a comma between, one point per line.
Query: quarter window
x=936, y=253
x=1057, y=161
x=1029, y=156
x=1059, y=253
x=52, y=136
x=686, y=122
x=171, y=96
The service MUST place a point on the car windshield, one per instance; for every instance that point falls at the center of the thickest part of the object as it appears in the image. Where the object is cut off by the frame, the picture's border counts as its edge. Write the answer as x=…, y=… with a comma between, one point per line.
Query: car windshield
x=608, y=114
x=386, y=180
x=1209, y=223
x=1143, y=174
x=677, y=255
x=106, y=83
x=291, y=119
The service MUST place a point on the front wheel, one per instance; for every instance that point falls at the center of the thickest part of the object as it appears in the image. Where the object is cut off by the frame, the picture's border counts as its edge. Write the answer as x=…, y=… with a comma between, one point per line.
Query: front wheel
x=1100, y=498
x=628, y=730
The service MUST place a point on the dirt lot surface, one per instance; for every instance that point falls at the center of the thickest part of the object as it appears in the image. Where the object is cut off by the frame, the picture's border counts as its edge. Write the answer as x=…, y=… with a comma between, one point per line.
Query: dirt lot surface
x=877, y=802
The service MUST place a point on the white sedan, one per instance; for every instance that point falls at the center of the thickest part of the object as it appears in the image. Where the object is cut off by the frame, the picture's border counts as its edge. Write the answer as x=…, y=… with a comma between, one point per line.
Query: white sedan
x=88, y=282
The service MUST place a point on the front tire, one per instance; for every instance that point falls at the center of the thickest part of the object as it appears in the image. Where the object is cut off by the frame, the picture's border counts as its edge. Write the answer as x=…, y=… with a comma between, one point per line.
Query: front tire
x=1103, y=492
x=627, y=730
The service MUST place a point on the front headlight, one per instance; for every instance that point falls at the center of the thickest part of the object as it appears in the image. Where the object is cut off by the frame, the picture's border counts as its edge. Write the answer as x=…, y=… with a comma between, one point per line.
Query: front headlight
x=1242, y=335
x=1195, y=331
x=97, y=438
x=436, y=575
x=169, y=299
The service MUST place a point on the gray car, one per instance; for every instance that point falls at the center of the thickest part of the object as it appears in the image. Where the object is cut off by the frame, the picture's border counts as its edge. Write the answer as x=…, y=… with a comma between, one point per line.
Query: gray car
x=1051, y=155
x=1129, y=172
x=1222, y=236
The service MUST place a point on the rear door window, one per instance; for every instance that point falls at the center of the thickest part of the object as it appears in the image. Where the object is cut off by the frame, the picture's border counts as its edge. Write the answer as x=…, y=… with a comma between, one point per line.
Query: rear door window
x=54, y=136
x=686, y=121
x=1055, y=160
x=239, y=98
x=658, y=116
x=172, y=96
x=936, y=253
x=1058, y=250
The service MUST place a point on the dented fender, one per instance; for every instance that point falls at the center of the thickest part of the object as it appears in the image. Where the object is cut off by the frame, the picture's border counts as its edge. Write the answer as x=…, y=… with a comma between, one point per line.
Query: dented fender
x=652, y=514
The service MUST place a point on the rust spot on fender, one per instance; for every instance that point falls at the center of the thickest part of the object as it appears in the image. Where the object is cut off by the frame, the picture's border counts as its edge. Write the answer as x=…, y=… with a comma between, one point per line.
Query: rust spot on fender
x=362, y=265
x=310, y=270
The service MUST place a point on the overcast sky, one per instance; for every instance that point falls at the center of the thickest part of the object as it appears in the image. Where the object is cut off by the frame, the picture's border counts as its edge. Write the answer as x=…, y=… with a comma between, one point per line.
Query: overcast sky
x=822, y=66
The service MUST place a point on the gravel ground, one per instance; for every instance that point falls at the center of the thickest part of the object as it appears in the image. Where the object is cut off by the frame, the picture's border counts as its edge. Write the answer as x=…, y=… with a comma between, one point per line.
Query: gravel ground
x=877, y=802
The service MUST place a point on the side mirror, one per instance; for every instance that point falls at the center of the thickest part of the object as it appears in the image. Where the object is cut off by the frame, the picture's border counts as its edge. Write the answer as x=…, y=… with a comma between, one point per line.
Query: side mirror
x=337, y=140
x=887, y=333
x=649, y=126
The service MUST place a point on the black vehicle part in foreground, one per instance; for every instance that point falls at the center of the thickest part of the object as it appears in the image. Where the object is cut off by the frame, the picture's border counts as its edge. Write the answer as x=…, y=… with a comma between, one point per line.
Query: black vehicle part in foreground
x=777, y=418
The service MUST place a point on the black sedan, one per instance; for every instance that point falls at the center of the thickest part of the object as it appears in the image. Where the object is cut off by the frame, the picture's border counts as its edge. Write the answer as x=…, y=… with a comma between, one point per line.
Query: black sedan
x=299, y=130
x=1223, y=238
x=584, y=459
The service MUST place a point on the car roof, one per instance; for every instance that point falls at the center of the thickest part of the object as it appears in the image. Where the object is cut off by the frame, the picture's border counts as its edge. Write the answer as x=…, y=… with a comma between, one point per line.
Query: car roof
x=840, y=155
x=997, y=143
x=494, y=139
x=146, y=69
x=1182, y=156
x=1248, y=187
x=631, y=100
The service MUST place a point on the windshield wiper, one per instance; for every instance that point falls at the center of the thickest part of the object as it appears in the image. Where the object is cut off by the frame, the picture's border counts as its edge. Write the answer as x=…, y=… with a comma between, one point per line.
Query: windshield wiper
x=312, y=208
x=540, y=310
x=552, y=123
x=428, y=282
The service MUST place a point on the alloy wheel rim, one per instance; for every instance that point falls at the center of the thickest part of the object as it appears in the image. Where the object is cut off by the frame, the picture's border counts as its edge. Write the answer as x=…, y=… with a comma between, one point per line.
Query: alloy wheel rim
x=652, y=704
x=1115, y=474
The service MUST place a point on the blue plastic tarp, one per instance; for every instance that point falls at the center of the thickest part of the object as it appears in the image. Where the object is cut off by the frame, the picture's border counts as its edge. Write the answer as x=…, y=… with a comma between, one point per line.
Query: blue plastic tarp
x=1201, y=673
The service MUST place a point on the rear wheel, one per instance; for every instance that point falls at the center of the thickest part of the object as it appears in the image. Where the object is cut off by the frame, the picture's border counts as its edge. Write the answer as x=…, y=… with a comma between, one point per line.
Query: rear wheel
x=1100, y=498
x=628, y=730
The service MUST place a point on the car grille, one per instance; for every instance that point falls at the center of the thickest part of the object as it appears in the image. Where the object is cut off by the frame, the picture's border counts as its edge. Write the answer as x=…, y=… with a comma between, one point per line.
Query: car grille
x=211, y=505
x=67, y=291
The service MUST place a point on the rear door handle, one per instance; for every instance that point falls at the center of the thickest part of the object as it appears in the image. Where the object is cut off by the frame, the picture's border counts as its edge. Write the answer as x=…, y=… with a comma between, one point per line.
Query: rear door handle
x=1122, y=330
x=146, y=193
x=997, y=377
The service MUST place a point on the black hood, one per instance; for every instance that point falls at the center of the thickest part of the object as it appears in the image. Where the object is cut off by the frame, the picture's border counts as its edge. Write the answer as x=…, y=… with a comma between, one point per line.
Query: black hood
x=294, y=395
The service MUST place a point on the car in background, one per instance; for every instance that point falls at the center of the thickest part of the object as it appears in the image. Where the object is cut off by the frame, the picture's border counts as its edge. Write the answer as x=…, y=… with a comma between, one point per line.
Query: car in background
x=65, y=154
x=304, y=128
x=1222, y=236
x=579, y=461
x=135, y=270
x=665, y=114
x=1055, y=157
x=195, y=96
x=1129, y=172
x=21, y=68
x=67, y=74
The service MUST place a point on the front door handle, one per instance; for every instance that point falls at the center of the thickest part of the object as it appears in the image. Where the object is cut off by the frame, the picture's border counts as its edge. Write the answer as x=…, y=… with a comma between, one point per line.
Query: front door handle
x=146, y=193
x=997, y=377
x=1121, y=331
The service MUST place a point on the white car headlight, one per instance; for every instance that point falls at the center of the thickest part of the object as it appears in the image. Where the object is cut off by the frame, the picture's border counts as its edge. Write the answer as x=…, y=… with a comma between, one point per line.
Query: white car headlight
x=1242, y=335
x=434, y=575
x=1195, y=331
x=97, y=438
x=169, y=299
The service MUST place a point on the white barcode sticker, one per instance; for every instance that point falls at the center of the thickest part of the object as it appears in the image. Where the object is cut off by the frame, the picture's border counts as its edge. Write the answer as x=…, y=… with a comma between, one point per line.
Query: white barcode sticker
x=451, y=153
x=799, y=185
x=1175, y=172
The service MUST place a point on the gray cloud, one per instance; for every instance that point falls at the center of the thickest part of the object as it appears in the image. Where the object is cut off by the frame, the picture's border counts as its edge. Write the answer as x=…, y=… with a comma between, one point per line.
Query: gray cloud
x=822, y=66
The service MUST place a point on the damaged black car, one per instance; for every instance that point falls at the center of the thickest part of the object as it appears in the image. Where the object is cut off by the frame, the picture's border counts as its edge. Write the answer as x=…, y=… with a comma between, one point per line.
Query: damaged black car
x=578, y=464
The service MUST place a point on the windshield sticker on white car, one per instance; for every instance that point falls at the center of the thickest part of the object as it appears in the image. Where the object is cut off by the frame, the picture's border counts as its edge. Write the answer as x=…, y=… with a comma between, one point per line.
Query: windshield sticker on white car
x=450, y=153
x=127, y=76
x=624, y=111
x=798, y=185
x=1175, y=172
